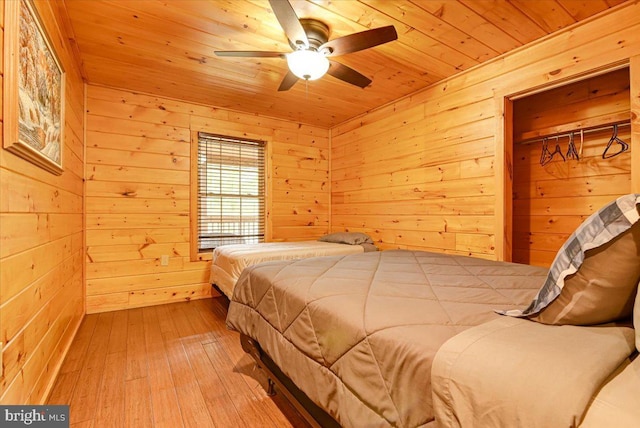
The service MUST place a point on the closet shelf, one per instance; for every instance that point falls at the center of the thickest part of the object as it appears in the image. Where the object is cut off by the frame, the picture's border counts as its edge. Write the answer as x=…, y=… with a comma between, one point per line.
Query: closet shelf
x=591, y=123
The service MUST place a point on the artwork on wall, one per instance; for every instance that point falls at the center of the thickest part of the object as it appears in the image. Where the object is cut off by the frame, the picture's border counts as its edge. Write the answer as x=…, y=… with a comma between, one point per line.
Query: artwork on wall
x=33, y=99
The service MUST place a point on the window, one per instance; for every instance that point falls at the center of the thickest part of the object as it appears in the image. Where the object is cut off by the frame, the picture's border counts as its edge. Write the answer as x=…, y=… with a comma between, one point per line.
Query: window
x=230, y=191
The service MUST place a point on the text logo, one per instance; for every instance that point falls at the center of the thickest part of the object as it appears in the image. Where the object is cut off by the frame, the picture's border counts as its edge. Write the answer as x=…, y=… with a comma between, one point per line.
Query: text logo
x=34, y=416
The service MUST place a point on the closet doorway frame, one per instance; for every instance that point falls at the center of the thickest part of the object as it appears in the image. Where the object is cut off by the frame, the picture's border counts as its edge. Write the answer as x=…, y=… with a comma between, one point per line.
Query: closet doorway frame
x=504, y=145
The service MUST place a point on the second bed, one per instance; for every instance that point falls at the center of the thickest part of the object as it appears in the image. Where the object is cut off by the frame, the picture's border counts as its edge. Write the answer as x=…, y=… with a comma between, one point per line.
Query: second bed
x=229, y=261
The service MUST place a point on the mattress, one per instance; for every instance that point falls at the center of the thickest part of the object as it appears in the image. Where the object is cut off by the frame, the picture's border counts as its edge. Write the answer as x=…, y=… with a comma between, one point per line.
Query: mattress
x=358, y=333
x=229, y=261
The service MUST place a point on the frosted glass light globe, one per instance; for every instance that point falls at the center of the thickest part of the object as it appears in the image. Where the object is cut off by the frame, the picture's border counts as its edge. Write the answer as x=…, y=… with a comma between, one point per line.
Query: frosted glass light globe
x=308, y=65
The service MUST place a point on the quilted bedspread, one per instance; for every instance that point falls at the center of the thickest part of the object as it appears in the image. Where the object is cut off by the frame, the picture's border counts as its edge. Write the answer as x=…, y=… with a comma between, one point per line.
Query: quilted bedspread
x=358, y=333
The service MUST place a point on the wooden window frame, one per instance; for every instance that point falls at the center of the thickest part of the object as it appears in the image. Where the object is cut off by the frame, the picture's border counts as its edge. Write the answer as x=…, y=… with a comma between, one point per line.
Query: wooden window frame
x=195, y=254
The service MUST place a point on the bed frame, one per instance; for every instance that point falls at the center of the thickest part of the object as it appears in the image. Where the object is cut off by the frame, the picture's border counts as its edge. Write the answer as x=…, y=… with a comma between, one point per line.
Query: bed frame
x=310, y=411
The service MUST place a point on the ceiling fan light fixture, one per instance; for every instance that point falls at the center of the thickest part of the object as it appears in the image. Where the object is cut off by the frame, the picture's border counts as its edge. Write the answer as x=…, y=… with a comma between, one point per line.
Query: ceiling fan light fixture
x=309, y=38
x=308, y=64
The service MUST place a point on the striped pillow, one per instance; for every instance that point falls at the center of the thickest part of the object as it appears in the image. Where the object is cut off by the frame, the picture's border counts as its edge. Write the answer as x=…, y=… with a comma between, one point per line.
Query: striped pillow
x=607, y=248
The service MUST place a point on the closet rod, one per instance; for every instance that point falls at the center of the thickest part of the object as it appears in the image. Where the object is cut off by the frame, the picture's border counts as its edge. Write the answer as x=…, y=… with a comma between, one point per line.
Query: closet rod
x=575, y=133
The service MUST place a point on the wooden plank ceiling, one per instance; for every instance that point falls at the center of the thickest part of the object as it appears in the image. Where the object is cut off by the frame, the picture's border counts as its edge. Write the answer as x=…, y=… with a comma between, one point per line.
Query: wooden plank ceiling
x=165, y=47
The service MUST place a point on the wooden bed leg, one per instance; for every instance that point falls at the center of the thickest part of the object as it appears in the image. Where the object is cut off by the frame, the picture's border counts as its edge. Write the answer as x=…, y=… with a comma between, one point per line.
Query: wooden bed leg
x=271, y=389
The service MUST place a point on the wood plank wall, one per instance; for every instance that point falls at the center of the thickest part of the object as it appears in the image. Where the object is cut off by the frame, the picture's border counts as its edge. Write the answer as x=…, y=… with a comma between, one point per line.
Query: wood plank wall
x=138, y=187
x=550, y=201
x=41, y=246
x=422, y=173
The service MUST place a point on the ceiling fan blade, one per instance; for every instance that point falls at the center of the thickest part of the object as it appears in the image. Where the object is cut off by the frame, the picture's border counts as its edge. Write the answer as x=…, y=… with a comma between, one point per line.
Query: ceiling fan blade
x=289, y=80
x=348, y=74
x=359, y=41
x=290, y=23
x=251, y=54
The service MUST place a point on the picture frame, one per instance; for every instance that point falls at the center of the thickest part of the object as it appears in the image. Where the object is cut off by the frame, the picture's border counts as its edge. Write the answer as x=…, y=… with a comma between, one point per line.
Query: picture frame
x=34, y=89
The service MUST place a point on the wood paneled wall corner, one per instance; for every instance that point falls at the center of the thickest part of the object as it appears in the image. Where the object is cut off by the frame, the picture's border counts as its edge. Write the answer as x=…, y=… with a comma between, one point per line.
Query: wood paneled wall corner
x=85, y=91
x=41, y=235
x=67, y=28
x=139, y=186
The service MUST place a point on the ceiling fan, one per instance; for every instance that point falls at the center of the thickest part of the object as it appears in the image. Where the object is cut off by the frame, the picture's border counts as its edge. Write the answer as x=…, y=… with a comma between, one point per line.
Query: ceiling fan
x=312, y=48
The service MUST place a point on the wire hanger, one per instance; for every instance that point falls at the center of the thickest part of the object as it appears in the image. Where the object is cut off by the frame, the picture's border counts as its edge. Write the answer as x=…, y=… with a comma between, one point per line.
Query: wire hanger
x=614, y=139
x=572, y=152
x=545, y=156
x=558, y=150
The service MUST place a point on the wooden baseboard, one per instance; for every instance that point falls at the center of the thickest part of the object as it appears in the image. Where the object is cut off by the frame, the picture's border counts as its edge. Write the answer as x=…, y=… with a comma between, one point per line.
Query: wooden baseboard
x=58, y=366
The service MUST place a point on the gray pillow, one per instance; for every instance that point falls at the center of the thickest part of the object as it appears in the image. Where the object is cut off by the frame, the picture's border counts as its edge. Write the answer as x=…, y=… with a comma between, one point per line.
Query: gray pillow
x=351, y=238
x=369, y=247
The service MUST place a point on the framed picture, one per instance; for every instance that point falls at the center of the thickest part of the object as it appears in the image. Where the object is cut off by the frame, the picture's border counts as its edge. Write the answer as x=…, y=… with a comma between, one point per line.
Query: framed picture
x=33, y=95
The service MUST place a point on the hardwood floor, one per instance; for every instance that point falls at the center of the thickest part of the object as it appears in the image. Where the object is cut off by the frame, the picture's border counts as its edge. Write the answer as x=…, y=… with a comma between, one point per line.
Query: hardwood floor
x=172, y=365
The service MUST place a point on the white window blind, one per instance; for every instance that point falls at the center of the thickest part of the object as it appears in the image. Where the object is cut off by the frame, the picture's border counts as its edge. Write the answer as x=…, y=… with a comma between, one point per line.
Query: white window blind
x=230, y=191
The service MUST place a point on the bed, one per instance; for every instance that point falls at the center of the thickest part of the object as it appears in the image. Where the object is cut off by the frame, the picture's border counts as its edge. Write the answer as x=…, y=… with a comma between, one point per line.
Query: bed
x=389, y=336
x=368, y=325
x=228, y=261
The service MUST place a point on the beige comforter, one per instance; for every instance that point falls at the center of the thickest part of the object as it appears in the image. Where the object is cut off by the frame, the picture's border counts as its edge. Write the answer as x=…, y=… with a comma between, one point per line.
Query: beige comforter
x=513, y=372
x=230, y=260
x=358, y=333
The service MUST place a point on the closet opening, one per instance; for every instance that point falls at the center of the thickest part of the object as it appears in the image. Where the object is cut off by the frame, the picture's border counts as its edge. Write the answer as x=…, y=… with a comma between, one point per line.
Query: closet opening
x=571, y=150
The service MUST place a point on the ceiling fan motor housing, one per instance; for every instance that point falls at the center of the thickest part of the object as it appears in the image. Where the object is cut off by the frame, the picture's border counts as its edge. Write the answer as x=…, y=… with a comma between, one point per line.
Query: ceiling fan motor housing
x=317, y=32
